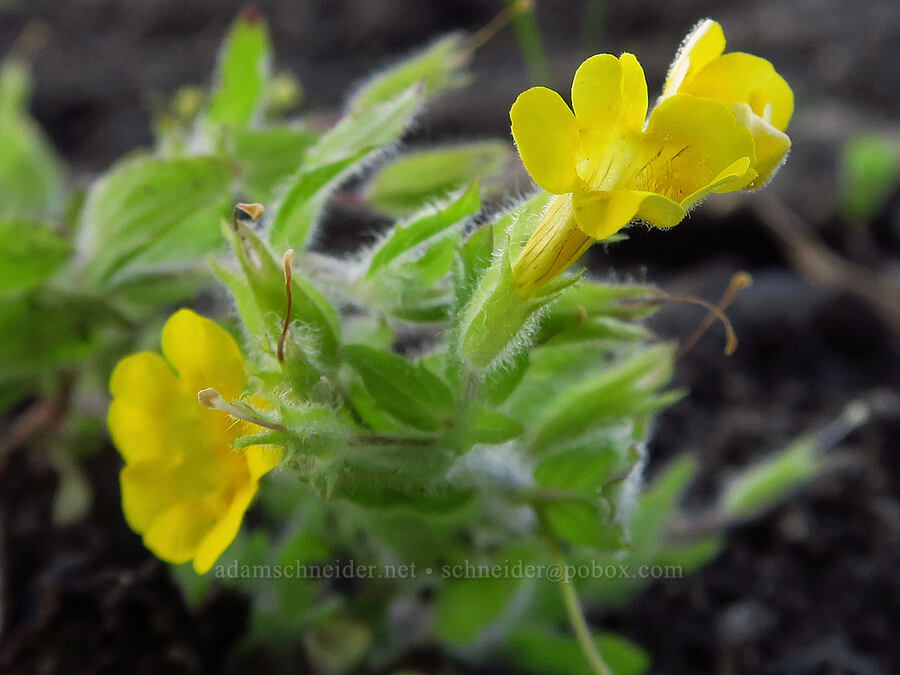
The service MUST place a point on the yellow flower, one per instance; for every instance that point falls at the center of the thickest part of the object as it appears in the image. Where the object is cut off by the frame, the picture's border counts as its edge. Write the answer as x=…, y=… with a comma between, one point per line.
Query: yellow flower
x=608, y=167
x=758, y=96
x=184, y=488
x=717, y=128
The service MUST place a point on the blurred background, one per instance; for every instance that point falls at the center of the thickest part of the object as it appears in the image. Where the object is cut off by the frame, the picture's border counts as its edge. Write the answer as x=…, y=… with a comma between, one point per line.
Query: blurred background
x=810, y=588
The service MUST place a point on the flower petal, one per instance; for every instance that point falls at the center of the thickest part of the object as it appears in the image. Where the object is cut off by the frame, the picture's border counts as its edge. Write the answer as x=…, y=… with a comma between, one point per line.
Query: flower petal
x=261, y=459
x=554, y=246
x=688, y=142
x=144, y=389
x=177, y=532
x=772, y=145
x=546, y=135
x=744, y=78
x=597, y=93
x=143, y=376
x=220, y=537
x=634, y=93
x=733, y=177
x=204, y=354
x=149, y=489
x=704, y=43
x=602, y=214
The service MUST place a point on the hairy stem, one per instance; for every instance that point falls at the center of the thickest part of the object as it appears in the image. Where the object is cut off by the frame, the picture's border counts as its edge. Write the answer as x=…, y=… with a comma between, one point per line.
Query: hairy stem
x=573, y=605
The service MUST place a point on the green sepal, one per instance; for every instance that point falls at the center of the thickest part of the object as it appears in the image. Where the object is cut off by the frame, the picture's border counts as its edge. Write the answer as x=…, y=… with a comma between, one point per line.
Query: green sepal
x=311, y=311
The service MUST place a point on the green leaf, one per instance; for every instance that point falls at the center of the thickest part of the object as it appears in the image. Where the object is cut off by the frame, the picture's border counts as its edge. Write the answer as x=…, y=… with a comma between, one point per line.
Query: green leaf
x=692, y=555
x=155, y=289
x=41, y=333
x=412, y=290
x=436, y=68
x=539, y=652
x=760, y=486
x=606, y=302
x=304, y=196
x=415, y=178
x=366, y=409
x=240, y=83
x=181, y=247
x=598, y=328
x=412, y=394
x=870, y=171
x=586, y=470
x=268, y=156
x=585, y=523
x=582, y=469
x=152, y=206
x=654, y=512
x=243, y=298
x=483, y=425
x=624, y=390
x=500, y=383
x=31, y=181
x=430, y=222
x=418, y=463
x=364, y=131
x=474, y=260
x=465, y=607
x=434, y=264
x=29, y=254
x=656, y=506
x=389, y=490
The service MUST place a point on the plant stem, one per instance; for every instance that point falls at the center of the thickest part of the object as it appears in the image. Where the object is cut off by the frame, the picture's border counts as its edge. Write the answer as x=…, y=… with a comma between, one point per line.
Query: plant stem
x=530, y=43
x=573, y=605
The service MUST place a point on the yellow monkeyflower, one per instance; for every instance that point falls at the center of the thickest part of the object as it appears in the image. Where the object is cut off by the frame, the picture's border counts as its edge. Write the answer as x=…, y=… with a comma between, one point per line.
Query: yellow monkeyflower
x=758, y=96
x=717, y=128
x=184, y=488
x=609, y=168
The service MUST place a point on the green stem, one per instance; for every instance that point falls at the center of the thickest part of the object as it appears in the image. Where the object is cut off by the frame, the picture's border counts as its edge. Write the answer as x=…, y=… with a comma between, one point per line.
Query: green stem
x=573, y=605
x=530, y=43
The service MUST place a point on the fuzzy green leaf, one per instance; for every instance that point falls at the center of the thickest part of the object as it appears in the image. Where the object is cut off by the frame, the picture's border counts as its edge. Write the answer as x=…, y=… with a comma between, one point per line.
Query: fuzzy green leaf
x=586, y=470
x=38, y=334
x=870, y=171
x=389, y=490
x=304, y=196
x=656, y=506
x=415, y=178
x=410, y=393
x=367, y=130
x=435, y=68
x=628, y=388
x=432, y=221
x=483, y=425
x=597, y=328
x=31, y=182
x=465, y=607
x=154, y=205
x=766, y=483
x=268, y=156
x=29, y=254
x=240, y=82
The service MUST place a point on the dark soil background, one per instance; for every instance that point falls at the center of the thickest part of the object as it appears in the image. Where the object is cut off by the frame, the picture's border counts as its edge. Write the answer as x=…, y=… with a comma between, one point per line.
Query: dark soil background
x=813, y=587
